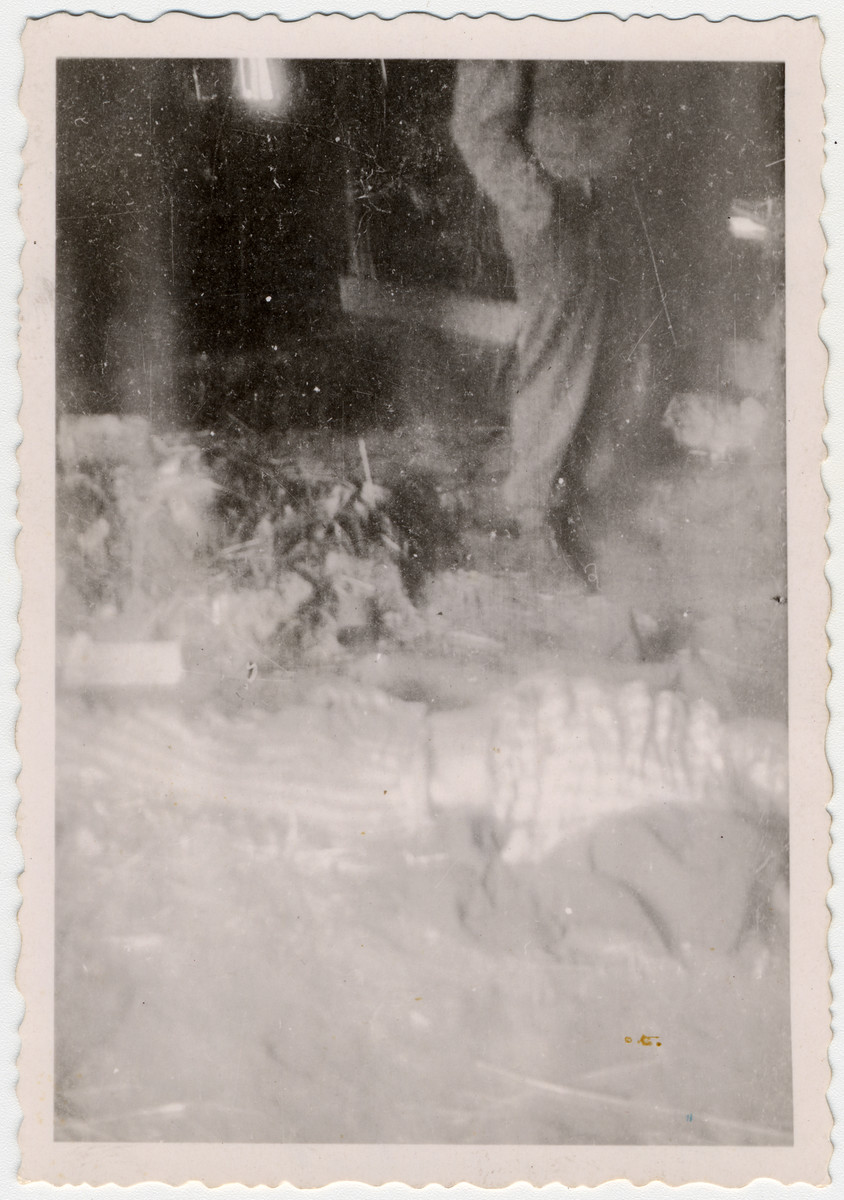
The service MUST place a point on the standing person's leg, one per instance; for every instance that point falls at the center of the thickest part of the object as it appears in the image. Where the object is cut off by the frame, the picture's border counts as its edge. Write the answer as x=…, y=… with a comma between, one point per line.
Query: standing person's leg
x=618, y=432
x=561, y=291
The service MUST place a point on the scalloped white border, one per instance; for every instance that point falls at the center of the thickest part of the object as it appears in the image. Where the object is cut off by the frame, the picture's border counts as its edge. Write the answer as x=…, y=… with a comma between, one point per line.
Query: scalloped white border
x=831, y=13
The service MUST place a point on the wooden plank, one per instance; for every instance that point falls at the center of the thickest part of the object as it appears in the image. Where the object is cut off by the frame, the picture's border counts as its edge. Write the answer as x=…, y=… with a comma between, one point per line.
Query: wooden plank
x=452, y=313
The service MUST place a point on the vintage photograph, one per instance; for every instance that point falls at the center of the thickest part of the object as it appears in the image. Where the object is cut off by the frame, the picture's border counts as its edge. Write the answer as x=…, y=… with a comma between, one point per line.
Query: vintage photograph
x=422, y=599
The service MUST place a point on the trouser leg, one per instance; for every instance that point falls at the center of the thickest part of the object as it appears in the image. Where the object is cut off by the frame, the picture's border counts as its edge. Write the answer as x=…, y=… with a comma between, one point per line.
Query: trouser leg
x=561, y=295
x=620, y=423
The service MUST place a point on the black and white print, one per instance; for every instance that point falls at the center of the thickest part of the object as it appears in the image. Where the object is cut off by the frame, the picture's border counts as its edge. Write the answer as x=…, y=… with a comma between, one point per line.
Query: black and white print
x=421, y=602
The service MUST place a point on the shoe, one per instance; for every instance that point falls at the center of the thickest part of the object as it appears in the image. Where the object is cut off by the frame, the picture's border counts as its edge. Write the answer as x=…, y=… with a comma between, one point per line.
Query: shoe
x=535, y=555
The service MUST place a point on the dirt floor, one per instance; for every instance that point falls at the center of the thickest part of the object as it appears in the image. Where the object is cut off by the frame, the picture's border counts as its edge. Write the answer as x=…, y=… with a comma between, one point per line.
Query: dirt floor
x=244, y=956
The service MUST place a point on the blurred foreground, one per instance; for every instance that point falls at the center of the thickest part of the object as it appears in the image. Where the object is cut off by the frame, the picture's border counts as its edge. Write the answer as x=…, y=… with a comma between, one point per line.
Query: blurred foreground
x=266, y=931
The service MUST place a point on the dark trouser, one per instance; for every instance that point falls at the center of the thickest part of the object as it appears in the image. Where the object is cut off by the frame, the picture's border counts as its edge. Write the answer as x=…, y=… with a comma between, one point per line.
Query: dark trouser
x=580, y=292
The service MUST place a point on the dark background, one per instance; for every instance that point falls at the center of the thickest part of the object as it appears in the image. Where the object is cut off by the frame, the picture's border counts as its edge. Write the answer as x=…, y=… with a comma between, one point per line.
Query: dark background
x=201, y=242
